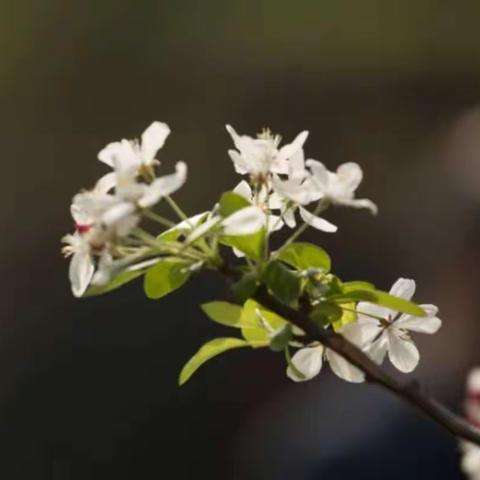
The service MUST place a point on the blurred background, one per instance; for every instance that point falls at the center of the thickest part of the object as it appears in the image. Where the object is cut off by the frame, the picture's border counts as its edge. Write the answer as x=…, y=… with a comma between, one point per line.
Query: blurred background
x=88, y=388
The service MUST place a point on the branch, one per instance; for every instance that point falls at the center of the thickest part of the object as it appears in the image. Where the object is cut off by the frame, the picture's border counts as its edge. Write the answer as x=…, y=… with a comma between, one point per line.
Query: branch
x=409, y=392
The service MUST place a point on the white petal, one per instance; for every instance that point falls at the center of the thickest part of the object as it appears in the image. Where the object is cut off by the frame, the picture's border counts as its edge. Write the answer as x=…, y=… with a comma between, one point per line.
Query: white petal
x=344, y=369
x=241, y=167
x=402, y=353
x=378, y=349
x=367, y=310
x=359, y=203
x=292, y=190
x=296, y=166
x=120, y=155
x=163, y=186
x=244, y=222
x=361, y=334
x=290, y=149
x=429, y=324
x=106, y=183
x=117, y=213
x=403, y=288
x=320, y=173
x=307, y=361
x=80, y=272
x=289, y=218
x=350, y=175
x=243, y=189
x=275, y=223
x=275, y=201
x=153, y=138
x=202, y=229
x=317, y=222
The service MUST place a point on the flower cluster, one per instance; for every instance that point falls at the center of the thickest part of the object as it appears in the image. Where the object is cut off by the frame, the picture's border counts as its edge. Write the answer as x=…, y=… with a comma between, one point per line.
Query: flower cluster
x=281, y=190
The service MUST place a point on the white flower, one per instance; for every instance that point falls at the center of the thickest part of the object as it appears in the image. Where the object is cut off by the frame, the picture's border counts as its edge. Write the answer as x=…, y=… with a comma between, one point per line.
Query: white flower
x=131, y=196
x=137, y=153
x=338, y=187
x=265, y=202
x=308, y=361
x=379, y=330
x=297, y=191
x=82, y=266
x=262, y=156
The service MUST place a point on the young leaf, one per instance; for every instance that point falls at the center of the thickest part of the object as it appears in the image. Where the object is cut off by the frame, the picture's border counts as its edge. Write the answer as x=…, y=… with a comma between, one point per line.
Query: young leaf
x=304, y=255
x=282, y=282
x=348, y=316
x=231, y=202
x=398, y=304
x=380, y=298
x=253, y=246
x=223, y=312
x=326, y=313
x=357, y=285
x=165, y=277
x=258, y=324
x=116, y=282
x=206, y=352
x=281, y=338
x=245, y=287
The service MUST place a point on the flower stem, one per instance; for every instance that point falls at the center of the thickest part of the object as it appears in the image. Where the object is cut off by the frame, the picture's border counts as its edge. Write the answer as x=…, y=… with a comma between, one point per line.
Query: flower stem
x=158, y=218
x=176, y=208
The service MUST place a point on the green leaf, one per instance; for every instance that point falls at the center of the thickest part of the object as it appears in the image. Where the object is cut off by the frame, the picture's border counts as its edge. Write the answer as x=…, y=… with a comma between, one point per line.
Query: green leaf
x=165, y=277
x=357, y=285
x=253, y=246
x=258, y=323
x=223, y=312
x=116, y=282
x=304, y=255
x=282, y=282
x=231, y=202
x=245, y=287
x=206, y=352
x=380, y=298
x=326, y=313
x=280, y=338
x=348, y=316
x=398, y=304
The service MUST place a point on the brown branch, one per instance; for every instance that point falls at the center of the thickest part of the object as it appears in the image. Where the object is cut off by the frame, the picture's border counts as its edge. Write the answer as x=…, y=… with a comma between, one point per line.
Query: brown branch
x=409, y=392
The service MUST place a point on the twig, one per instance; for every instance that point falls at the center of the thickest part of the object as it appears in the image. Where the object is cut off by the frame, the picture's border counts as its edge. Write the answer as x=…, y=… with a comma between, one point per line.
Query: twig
x=409, y=392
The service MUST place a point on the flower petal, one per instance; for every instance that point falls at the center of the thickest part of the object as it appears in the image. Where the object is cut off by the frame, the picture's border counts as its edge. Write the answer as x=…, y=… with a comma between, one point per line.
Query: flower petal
x=153, y=138
x=403, y=354
x=359, y=203
x=290, y=149
x=320, y=174
x=317, y=222
x=403, y=288
x=243, y=189
x=244, y=222
x=307, y=361
x=106, y=183
x=163, y=186
x=80, y=272
x=429, y=324
x=378, y=349
x=361, y=334
x=344, y=369
x=350, y=175
x=369, y=312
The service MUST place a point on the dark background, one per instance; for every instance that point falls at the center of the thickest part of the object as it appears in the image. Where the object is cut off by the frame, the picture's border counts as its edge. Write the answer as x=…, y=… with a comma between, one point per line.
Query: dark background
x=88, y=387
